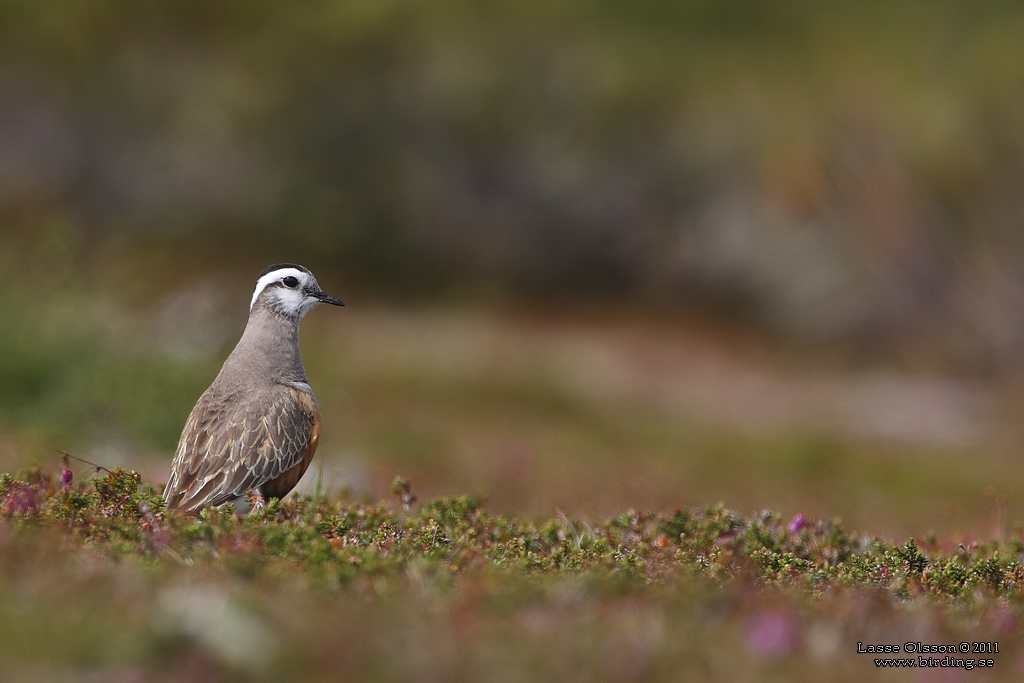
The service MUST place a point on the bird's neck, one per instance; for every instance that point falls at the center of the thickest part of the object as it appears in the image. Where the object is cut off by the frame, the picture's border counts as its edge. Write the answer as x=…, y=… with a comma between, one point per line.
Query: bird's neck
x=269, y=346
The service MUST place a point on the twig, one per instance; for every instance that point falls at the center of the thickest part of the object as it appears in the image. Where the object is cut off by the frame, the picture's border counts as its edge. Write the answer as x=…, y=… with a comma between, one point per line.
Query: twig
x=84, y=461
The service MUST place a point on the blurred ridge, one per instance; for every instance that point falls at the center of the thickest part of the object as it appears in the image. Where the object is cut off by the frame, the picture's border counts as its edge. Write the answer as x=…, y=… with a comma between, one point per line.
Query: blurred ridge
x=825, y=171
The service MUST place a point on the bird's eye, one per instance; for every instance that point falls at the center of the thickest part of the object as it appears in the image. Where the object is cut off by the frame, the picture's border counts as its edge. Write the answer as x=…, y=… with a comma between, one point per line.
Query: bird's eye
x=290, y=281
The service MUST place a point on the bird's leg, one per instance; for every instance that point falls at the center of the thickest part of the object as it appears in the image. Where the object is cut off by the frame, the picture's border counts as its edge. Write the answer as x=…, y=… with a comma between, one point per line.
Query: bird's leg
x=255, y=498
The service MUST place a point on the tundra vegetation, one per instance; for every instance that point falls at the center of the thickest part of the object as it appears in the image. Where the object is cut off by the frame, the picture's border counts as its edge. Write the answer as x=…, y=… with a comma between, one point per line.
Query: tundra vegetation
x=96, y=581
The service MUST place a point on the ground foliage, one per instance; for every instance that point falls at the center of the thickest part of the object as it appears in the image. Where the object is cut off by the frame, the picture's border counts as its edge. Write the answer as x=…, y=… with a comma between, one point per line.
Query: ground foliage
x=334, y=541
x=314, y=586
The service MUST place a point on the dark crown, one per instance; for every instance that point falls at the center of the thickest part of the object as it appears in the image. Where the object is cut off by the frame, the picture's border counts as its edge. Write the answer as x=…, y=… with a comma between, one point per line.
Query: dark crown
x=279, y=266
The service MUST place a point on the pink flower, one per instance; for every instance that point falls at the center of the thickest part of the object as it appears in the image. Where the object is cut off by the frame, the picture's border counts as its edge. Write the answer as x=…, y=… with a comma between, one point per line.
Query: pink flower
x=66, y=475
x=797, y=524
x=770, y=635
x=21, y=500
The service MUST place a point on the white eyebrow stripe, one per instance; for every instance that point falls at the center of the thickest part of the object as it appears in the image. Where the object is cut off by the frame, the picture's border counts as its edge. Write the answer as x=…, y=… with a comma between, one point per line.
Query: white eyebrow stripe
x=274, y=276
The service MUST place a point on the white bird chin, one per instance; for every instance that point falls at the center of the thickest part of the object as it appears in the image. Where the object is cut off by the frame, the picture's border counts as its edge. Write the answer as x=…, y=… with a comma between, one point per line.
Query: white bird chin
x=308, y=305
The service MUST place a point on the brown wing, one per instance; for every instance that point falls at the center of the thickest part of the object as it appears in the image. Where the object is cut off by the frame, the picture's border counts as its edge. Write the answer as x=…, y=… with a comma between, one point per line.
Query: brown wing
x=232, y=444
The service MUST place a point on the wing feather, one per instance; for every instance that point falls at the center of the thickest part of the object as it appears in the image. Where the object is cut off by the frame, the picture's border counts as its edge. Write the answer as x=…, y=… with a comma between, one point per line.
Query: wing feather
x=231, y=444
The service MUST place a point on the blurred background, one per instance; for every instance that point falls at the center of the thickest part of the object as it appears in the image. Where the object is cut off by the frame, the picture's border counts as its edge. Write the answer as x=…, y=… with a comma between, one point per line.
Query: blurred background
x=595, y=255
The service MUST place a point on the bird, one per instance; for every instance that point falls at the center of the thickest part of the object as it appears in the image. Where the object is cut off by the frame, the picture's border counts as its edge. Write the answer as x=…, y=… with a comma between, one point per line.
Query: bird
x=253, y=432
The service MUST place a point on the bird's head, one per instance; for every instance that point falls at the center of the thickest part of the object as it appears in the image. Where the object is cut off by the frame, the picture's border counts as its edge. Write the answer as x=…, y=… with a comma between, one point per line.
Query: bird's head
x=289, y=289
